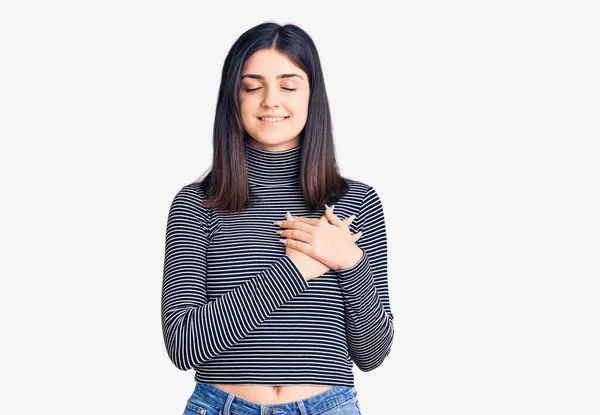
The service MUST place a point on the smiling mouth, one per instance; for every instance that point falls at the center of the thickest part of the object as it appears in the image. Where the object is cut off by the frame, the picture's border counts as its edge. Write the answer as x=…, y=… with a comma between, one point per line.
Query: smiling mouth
x=273, y=120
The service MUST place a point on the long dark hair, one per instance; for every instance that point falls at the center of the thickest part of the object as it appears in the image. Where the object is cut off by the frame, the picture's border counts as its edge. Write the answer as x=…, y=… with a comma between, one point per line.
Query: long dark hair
x=226, y=184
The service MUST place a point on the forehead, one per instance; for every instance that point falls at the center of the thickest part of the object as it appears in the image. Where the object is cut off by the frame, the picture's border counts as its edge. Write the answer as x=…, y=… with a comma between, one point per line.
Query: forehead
x=270, y=63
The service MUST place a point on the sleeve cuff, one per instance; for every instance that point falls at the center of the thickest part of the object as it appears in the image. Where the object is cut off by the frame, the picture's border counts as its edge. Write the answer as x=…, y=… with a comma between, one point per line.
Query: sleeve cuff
x=292, y=275
x=357, y=276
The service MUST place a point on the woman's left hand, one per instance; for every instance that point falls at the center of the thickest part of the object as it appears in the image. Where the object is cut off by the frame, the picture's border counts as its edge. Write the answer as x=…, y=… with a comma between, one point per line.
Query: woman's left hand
x=332, y=244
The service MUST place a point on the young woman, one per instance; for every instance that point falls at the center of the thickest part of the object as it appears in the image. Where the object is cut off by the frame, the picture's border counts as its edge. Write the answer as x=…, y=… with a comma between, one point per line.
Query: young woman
x=267, y=293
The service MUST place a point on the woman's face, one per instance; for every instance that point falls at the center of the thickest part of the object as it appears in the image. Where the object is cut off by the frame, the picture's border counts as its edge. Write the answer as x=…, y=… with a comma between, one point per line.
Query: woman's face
x=272, y=86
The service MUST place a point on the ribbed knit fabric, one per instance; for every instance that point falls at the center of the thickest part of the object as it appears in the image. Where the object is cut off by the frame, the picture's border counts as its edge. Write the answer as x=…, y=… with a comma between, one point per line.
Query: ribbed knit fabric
x=236, y=309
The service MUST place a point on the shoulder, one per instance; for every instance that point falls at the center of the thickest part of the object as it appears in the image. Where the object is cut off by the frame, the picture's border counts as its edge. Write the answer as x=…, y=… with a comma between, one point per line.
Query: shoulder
x=194, y=190
x=189, y=201
x=360, y=192
x=192, y=194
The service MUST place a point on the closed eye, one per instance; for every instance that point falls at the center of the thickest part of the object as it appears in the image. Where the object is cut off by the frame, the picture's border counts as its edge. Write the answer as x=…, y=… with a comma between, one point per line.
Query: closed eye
x=255, y=89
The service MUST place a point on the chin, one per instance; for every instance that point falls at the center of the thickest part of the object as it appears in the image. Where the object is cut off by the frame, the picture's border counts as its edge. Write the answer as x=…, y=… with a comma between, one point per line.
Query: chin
x=272, y=141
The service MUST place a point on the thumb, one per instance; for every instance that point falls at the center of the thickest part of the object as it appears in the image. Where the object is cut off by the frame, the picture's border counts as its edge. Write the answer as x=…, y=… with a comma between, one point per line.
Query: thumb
x=323, y=218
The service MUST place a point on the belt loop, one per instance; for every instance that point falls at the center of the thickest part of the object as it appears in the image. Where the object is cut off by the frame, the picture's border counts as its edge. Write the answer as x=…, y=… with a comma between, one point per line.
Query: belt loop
x=228, y=401
x=301, y=407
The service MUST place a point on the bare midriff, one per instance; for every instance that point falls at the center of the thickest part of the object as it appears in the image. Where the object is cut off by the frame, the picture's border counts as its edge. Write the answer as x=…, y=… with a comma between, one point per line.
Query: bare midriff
x=273, y=394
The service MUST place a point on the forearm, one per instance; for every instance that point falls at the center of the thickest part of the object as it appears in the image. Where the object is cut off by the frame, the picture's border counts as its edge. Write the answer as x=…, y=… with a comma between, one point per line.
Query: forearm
x=196, y=334
x=369, y=327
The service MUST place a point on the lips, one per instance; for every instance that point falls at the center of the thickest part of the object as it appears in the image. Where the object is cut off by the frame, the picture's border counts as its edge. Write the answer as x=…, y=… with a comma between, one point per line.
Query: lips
x=273, y=120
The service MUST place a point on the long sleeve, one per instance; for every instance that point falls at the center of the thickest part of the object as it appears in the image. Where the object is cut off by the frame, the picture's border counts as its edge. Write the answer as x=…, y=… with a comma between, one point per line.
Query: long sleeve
x=369, y=319
x=194, y=329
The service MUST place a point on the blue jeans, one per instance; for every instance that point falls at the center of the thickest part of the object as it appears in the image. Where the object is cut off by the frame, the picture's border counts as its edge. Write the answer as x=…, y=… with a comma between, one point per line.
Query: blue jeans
x=207, y=399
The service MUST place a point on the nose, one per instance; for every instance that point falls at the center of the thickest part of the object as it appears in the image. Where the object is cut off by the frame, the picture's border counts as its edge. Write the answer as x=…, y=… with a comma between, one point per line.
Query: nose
x=271, y=98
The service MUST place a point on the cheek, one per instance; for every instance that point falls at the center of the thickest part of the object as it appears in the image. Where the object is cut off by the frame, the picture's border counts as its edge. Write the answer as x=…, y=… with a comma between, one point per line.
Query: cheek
x=301, y=106
x=300, y=111
x=246, y=109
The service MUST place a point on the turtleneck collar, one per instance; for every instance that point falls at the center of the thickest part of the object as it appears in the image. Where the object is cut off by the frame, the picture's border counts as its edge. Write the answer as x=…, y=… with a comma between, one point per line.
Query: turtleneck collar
x=273, y=167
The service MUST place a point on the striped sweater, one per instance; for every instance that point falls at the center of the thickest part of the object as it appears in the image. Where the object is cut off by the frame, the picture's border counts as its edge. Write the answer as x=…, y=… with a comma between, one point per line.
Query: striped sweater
x=236, y=309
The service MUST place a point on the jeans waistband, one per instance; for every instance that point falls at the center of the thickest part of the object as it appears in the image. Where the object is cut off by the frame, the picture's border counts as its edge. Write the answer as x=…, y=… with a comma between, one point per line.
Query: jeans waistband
x=329, y=398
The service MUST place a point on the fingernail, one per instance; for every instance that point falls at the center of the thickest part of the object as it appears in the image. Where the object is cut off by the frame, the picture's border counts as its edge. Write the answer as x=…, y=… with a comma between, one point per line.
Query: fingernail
x=277, y=222
x=329, y=208
x=282, y=241
x=351, y=218
x=288, y=216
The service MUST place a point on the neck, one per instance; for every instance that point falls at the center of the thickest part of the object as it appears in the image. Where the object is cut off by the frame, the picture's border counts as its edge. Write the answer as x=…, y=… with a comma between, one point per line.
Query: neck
x=273, y=167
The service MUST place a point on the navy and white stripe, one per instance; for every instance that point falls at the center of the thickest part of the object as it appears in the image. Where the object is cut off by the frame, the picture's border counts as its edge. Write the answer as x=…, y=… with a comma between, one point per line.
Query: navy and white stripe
x=235, y=307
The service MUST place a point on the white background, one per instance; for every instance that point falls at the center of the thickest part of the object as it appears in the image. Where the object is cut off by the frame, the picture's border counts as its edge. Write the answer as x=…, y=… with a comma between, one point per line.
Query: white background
x=476, y=122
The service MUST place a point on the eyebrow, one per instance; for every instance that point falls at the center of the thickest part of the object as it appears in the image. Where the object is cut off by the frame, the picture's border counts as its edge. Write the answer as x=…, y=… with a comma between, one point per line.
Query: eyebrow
x=280, y=76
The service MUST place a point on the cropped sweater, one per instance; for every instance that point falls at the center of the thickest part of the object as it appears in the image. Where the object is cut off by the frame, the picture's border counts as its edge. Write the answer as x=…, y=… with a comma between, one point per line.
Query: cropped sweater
x=236, y=309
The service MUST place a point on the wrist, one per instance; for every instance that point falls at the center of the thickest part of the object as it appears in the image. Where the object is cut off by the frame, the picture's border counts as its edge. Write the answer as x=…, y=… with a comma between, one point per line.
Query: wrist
x=353, y=259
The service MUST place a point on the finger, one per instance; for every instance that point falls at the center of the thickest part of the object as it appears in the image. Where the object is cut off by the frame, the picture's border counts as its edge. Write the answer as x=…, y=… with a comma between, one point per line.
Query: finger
x=295, y=234
x=349, y=220
x=323, y=219
x=310, y=221
x=332, y=217
x=357, y=236
x=297, y=224
x=297, y=245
